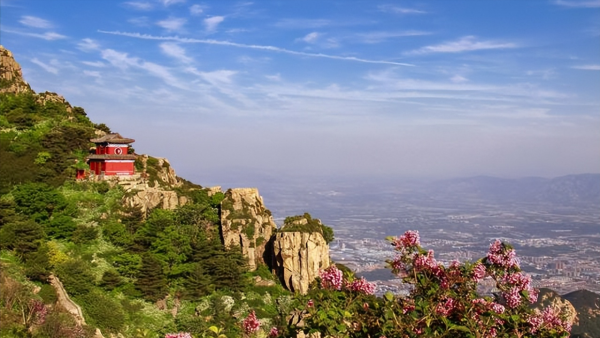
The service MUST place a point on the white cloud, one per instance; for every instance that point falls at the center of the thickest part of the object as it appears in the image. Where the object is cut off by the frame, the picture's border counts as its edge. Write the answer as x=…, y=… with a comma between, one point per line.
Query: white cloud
x=36, y=22
x=276, y=77
x=175, y=51
x=257, y=47
x=459, y=79
x=93, y=73
x=587, y=67
x=310, y=37
x=196, y=9
x=142, y=6
x=216, y=77
x=94, y=63
x=49, y=36
x=171, y=2
x=302, y=23
x=44, y=66
x=399, y=10
x=87, y=45
x=172, y=24
x=212, y=22
x=579, y=4
x=141, y=21
x=465, y=44
x=376, y=37
x=123, y=61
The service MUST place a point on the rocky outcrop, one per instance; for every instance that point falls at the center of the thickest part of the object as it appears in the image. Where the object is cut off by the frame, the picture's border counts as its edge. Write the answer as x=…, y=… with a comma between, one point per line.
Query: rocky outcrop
x=298, y=257
x=149, y=198
x=45, y=97
x=11, y=76
x=559, y=304
x=245, y=222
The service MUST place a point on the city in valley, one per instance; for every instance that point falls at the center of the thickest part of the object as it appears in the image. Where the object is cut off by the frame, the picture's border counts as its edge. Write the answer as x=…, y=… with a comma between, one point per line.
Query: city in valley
x=557, y=240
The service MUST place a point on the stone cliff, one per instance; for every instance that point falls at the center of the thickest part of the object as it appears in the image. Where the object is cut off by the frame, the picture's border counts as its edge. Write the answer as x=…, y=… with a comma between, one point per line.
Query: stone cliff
x=245, y=222
x=298, y=257
x=11, y=76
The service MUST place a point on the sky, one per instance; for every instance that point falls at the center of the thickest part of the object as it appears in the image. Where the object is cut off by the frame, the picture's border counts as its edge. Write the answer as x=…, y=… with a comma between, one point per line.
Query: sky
x=328, y=88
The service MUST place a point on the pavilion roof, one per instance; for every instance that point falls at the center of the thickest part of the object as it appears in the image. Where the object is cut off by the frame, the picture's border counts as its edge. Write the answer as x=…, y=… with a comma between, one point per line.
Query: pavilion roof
x=113, y=138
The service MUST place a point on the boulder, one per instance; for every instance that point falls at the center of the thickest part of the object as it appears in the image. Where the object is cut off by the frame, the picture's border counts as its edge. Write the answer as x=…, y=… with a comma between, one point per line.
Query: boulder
x=298, y=257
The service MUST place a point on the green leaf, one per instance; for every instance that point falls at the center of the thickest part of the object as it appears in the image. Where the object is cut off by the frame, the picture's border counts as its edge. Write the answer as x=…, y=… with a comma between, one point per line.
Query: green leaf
x=389, y=296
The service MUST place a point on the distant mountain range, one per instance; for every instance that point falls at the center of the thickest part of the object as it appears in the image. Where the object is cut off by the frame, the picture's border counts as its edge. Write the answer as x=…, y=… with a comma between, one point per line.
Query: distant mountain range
x=571, y=190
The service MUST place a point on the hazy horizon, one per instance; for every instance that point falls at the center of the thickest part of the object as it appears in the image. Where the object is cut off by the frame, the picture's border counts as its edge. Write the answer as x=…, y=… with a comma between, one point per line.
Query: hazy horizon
x=421, y=89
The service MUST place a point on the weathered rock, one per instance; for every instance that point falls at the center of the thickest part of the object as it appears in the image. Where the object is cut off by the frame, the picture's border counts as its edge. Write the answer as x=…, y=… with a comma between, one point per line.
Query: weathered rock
x=245, y=222
x=299, y=257
x=45, y=97
x=150, y=198
x=65, y=301
x=559, y=304
x=11, y=76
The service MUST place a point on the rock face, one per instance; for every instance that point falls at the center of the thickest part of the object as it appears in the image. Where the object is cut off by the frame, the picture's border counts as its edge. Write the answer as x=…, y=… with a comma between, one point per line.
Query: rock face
x=245, y=222
x=150, y=198
x=299, y=257
x=550, y=298
x=11, y=77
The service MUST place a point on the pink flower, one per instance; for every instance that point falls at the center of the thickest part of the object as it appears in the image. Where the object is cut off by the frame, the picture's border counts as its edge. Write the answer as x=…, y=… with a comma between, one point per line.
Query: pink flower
x=500, y=255
x=274, y=332
x=178, y=335
x=445, y=307
x=478, y=272
x=361, y=285
x=331, y=278
x=310, y=303
x=409, y=239
x=498, y=308
x=251, y=323
x=365, y=306
x=513, y=298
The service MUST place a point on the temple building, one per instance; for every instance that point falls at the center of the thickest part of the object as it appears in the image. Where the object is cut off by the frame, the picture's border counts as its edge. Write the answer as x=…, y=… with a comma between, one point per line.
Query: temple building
x=111, y=156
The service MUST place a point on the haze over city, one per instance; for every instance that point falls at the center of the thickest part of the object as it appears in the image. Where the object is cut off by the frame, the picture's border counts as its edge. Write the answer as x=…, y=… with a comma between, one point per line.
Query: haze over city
x=410, y=88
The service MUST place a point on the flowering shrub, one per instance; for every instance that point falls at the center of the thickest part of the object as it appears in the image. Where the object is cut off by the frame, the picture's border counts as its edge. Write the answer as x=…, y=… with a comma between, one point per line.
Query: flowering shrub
x=251, y=323
x=443, y=301
x=178, y=335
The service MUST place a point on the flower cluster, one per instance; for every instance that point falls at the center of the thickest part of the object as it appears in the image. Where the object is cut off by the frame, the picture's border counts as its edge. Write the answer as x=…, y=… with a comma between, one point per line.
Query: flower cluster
x=361, y=285
x=178, y=335
x=409, y=239
x=548, y=319
x=251, y=323
x=274, y=332
x=503, y=256
x=332, y=278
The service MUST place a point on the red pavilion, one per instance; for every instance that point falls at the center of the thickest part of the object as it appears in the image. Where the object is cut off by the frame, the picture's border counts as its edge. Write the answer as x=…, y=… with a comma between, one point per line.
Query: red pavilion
x=112, y=156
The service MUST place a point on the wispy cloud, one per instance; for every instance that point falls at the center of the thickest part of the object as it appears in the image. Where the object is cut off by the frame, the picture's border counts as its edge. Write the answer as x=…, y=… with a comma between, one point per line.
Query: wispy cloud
x=123, y=61
x=98, y=64
x=88, y=45
x=93, y=73
x=175, y=51
x=376, y=37
x=302, y=23
x=172, y=24
x=587, y=67
x=399, y=10
x=578, y=4
x=196, y=9
x=44, y=66
x=310, y=37
x=212, y=22
x=36, y=22
x=141, y=21
x=49, y=36
x=259, y=47
x=171, y=2
x=465, y=44
x=138, y=5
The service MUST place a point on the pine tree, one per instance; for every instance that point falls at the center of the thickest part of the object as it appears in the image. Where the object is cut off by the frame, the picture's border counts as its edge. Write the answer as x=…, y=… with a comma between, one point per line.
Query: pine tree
x=151, y=279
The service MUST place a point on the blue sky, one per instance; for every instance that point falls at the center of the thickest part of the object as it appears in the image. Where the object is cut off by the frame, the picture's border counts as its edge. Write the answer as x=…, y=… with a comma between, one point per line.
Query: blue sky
x=382, y=88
